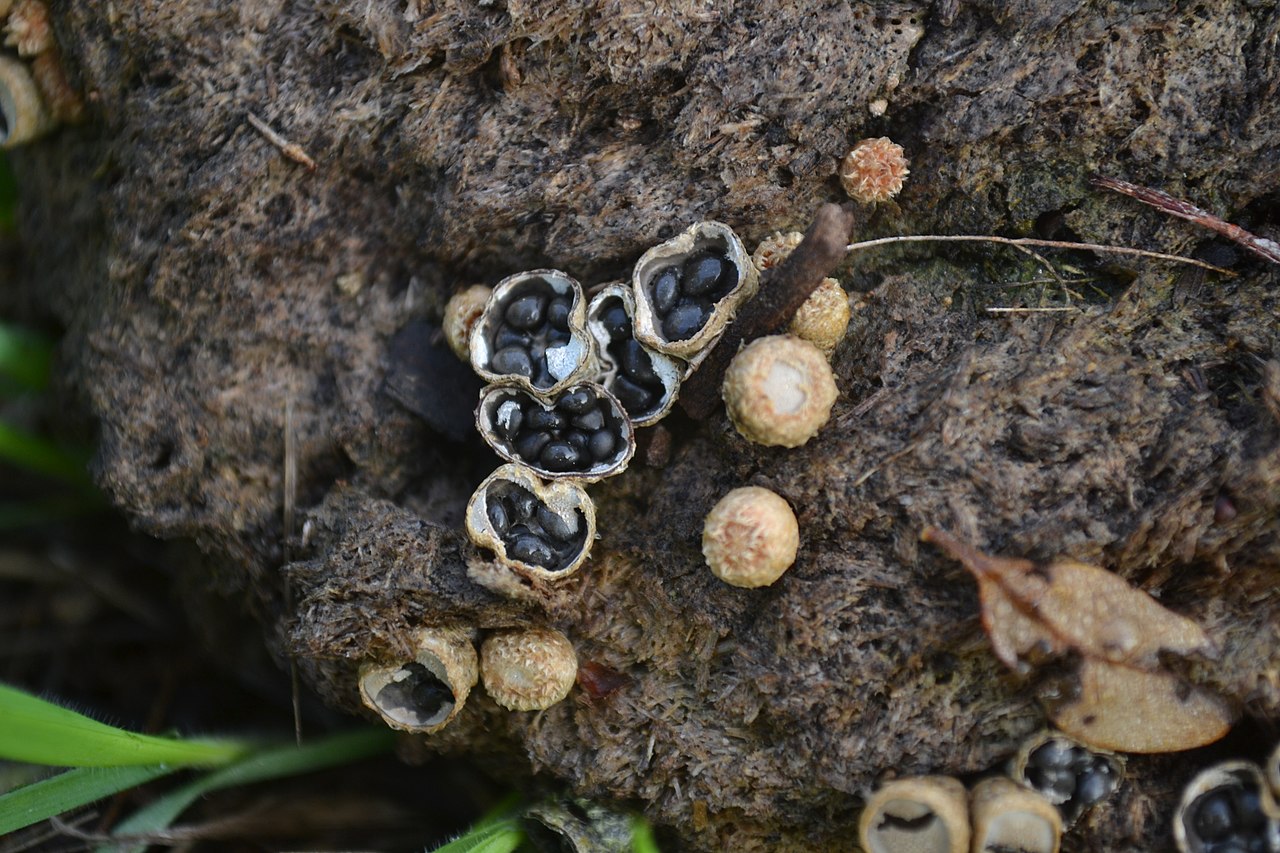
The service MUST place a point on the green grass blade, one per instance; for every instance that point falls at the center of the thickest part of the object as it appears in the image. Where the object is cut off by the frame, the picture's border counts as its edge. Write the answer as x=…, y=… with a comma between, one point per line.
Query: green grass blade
x=70, y=790
x=24, y=358
x=42, y=456
x=259, y=767
x=40, y=732
x=642, y=840
x=502, y=836
x=499, y=831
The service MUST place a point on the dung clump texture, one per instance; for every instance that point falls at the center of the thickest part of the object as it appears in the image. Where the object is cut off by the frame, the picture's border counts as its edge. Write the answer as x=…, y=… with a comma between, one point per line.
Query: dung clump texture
x=223, y=303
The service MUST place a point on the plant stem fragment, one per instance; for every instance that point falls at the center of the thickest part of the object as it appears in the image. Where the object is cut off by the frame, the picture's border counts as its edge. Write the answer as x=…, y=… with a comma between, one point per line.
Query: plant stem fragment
x=1162, y=201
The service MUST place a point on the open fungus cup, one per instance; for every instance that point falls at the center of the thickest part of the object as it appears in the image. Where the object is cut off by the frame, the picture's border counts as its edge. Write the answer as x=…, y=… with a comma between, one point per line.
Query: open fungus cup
x=424, y=694
x=25, y=116
x=1008, y=818
x=582, y=434
x=688, y=289
x=1226, y=808
x=532, y=333
x=644, y=380
x=923, y=814
x=540, y=530
x=1067, y=773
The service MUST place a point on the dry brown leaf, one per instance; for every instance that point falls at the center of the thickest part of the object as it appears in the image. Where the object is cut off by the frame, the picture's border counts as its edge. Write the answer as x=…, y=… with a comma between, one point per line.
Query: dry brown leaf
x=1125, y=701
x=1130, y=710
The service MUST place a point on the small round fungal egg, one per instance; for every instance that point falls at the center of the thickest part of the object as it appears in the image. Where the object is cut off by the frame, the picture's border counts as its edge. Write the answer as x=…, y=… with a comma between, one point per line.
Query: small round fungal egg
x=460, y=315
x=750, y=537
x=779, y=391
x=529, y=669
x=874, y=170
x=824, y=317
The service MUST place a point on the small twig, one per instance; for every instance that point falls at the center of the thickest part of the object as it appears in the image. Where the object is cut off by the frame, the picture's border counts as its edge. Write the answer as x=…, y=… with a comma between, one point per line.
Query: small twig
x=1031, y=241
x=822, y=248
x=1162, y=201
x=1033, y=310
x=292, y=150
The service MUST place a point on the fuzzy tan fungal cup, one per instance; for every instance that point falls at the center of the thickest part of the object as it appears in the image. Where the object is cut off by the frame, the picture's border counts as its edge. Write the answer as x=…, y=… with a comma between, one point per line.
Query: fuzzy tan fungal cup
x=528, y=670
x=775, y=248
x=824, y=317
x=1008, y=818
x=918, y=814
x=23, y=110
x=461, y=315
x=779, y=391
x=874, y=170
x=750, y=538
x=424, y=694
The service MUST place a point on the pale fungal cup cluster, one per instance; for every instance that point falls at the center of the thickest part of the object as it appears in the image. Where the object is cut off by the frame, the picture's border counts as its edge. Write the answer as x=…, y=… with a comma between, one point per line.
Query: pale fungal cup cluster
x=568, y=383
x=1052, y=781
x=570, y=380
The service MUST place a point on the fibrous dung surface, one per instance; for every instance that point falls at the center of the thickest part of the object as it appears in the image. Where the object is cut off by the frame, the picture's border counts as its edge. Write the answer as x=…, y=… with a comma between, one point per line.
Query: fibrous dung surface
x=216, y=292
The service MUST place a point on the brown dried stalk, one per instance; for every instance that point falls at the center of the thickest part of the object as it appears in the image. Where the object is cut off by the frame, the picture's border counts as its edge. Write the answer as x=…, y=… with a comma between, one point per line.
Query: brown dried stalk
x=1162, y=201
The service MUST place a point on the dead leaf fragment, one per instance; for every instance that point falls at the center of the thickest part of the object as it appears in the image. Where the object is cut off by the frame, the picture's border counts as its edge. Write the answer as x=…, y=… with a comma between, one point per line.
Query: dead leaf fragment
x=1129, y=710
x=1126, y=701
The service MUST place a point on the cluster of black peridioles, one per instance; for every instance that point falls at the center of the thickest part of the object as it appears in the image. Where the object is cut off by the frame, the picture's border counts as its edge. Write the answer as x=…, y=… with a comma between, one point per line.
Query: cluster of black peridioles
x=684, y=294
x=1070, y=775
x=636, y=382
x=580, y=432
x=1232, y=820
x=534, y=324
x=530, y=531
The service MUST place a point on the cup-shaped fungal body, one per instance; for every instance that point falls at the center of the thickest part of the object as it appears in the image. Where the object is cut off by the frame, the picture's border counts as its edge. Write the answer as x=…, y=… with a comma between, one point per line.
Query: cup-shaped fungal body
x=689, y=288
x=824, y=317
x=23, y=114
x=1067, y=773
x=1225, y=809
x=874, y=170
x=424, y=694
x=541, y=530
x=750, y=537
x=528, y=670
x=1008, y=818
x=774, y=249
x=779, y=390
x=532, y=333
x=582, y=433
x=920, y=814
x=461, y=313
x=645, y=381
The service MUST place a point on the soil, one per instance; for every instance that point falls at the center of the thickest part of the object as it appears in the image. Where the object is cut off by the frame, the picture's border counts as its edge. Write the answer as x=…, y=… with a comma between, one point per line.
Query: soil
x=222, y=302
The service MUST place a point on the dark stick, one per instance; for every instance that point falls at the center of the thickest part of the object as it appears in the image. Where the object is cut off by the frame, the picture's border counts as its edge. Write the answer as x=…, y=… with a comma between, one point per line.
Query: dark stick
x=824, y=246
